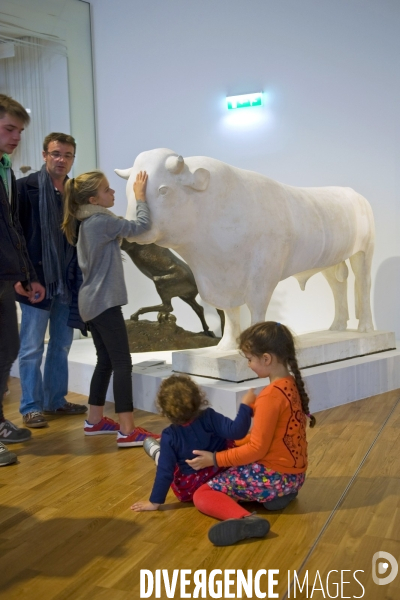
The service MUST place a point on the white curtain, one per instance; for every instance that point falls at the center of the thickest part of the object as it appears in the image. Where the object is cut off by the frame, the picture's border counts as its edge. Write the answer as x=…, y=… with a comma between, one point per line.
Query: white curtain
x=37, y=77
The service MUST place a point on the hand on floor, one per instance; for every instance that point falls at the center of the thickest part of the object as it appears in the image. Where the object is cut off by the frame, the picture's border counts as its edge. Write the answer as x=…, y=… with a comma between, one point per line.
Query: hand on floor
x=144, y=505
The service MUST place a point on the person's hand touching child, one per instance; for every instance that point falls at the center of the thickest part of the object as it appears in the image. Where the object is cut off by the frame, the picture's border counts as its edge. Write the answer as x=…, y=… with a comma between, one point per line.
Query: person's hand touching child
x=206, y=459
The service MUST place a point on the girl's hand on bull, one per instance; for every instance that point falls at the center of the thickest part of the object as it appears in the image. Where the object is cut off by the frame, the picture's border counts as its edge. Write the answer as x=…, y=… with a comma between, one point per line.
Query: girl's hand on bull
x=139, y=187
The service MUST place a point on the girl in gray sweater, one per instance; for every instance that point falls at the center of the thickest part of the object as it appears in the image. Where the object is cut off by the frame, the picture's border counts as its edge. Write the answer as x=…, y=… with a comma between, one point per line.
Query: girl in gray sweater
x=87, y=200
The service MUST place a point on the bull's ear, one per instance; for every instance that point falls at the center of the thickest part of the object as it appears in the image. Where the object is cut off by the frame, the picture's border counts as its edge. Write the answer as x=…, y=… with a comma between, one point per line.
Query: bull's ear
x=199, y=180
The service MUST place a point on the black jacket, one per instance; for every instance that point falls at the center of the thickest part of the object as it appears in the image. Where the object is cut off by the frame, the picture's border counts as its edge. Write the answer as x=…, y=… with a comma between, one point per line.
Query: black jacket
x=29, y=216
x=15, y=264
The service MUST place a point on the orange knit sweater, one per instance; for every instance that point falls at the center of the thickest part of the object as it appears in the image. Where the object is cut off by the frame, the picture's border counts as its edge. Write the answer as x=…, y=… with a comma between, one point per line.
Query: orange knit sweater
x=278, y=436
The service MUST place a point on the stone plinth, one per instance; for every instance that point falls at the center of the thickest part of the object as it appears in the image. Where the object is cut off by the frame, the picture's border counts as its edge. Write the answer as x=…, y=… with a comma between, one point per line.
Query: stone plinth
x=227, y=366
x=317, y=348
x=322, y=347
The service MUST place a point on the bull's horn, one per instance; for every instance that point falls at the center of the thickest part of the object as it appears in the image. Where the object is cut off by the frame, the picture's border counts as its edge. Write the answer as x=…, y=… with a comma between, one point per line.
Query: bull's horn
x=174, y=164
x=125, y=174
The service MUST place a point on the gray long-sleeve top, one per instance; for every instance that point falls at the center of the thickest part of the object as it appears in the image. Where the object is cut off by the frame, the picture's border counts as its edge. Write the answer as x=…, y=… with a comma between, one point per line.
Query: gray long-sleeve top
x=99, y=257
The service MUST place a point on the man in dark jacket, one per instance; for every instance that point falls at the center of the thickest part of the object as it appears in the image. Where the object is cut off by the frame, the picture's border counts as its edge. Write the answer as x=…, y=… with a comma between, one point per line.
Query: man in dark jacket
x=55, y=262
x=15, y=265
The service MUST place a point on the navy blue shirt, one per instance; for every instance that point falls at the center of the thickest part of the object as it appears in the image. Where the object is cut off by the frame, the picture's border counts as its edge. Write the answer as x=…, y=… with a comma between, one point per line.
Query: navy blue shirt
x=208, y=432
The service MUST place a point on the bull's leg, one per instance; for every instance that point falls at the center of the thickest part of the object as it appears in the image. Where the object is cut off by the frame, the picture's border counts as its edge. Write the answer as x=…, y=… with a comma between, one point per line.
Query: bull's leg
x=259, y=300
x=257, y=314
x=231, y=329
x=361, y=265
x=336, y=276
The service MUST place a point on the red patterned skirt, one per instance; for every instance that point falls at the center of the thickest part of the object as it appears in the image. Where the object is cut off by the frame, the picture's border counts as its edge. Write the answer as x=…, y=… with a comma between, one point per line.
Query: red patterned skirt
x=184, y=486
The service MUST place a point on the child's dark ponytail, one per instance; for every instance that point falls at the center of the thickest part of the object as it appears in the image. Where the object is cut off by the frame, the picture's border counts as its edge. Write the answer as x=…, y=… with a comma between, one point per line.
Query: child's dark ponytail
x=275, y=338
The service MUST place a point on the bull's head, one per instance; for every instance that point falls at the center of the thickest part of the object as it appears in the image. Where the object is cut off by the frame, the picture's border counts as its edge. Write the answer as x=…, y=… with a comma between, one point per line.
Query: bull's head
x=170, y=185
x=198, y=180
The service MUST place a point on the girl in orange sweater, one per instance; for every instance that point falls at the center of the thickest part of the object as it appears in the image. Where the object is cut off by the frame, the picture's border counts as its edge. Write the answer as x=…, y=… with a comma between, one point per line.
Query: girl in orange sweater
x=270, y=463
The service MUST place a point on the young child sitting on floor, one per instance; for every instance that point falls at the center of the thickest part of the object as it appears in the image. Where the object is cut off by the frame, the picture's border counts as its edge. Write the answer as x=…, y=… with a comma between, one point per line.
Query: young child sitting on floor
x=193, y=427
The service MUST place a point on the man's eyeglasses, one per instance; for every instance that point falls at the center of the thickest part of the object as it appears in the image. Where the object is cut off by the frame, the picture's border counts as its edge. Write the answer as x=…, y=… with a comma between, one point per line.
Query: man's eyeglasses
x=58, y=155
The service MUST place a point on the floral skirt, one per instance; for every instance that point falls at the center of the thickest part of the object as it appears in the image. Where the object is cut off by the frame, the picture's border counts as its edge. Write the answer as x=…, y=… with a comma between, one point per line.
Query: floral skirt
x=256, y=483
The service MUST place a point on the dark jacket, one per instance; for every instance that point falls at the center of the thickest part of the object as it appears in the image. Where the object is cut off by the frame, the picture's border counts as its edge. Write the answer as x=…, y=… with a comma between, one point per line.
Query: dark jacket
x=15, y=264
x=209, y=431
x=29, y=216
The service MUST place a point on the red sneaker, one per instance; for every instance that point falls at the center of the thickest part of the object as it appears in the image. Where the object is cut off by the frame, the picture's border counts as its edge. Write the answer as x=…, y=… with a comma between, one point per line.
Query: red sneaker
x=136, y=438
x=104, y=427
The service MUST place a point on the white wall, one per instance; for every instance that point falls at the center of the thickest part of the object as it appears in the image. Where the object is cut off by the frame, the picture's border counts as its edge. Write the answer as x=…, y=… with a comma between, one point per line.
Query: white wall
x=330, y=71
x=66, y=22
x=29, y=77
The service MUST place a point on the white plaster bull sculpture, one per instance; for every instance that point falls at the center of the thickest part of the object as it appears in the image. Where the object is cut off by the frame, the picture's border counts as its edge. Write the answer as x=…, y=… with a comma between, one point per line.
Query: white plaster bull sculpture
x=242, y=233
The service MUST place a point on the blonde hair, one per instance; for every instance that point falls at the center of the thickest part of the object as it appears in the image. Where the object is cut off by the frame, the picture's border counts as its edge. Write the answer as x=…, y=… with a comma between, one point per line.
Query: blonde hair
x=77, y=193
x=180, y=399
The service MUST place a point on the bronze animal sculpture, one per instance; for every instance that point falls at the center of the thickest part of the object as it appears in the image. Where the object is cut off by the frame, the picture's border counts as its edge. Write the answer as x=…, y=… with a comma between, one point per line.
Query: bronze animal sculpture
x=172, y=278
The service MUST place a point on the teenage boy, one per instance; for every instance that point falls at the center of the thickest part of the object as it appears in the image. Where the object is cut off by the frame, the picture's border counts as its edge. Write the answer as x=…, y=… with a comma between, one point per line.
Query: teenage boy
x=15, y=265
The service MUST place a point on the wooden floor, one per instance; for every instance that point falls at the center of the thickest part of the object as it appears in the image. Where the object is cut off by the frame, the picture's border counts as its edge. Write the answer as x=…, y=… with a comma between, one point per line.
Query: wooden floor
x=66, y=530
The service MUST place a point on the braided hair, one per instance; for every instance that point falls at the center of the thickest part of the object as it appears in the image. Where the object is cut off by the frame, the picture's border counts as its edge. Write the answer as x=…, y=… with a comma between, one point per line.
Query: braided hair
x=274, y=338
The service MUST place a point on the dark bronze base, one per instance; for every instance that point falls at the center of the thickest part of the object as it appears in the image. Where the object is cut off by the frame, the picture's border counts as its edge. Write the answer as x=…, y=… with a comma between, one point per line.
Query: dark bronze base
x=150, y=336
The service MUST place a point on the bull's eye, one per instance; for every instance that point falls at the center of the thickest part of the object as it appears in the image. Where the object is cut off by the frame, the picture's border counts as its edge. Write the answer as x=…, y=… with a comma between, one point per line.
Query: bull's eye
x=163, y=189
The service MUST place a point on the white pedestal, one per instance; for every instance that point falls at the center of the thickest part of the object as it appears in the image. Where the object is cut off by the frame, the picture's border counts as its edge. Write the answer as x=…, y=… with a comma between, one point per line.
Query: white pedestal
x=322, y=347
x=328, y=385
x=209, y=362
x=319, y=347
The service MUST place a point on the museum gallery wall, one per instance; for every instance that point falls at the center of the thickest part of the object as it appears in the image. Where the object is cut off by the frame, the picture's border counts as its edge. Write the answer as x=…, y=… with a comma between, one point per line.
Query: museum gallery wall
x=331, y=83
x=46, y=64
x=329, y=74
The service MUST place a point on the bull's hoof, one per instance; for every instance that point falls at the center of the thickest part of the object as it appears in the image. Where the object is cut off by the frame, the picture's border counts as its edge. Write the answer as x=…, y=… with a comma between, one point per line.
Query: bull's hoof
x=338, y=326
x=365, y=328
x=135, y=317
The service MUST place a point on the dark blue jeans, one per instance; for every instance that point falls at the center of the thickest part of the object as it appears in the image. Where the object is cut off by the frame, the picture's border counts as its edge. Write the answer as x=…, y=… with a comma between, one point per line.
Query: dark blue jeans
x=9, y=337
x=112, y=348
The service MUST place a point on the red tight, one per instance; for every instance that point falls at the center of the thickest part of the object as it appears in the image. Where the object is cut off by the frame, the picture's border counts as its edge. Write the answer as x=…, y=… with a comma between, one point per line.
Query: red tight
x=217, y=504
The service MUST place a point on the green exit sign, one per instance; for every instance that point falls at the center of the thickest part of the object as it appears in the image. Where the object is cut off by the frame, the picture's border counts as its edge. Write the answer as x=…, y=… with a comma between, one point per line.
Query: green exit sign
x=244, y=100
